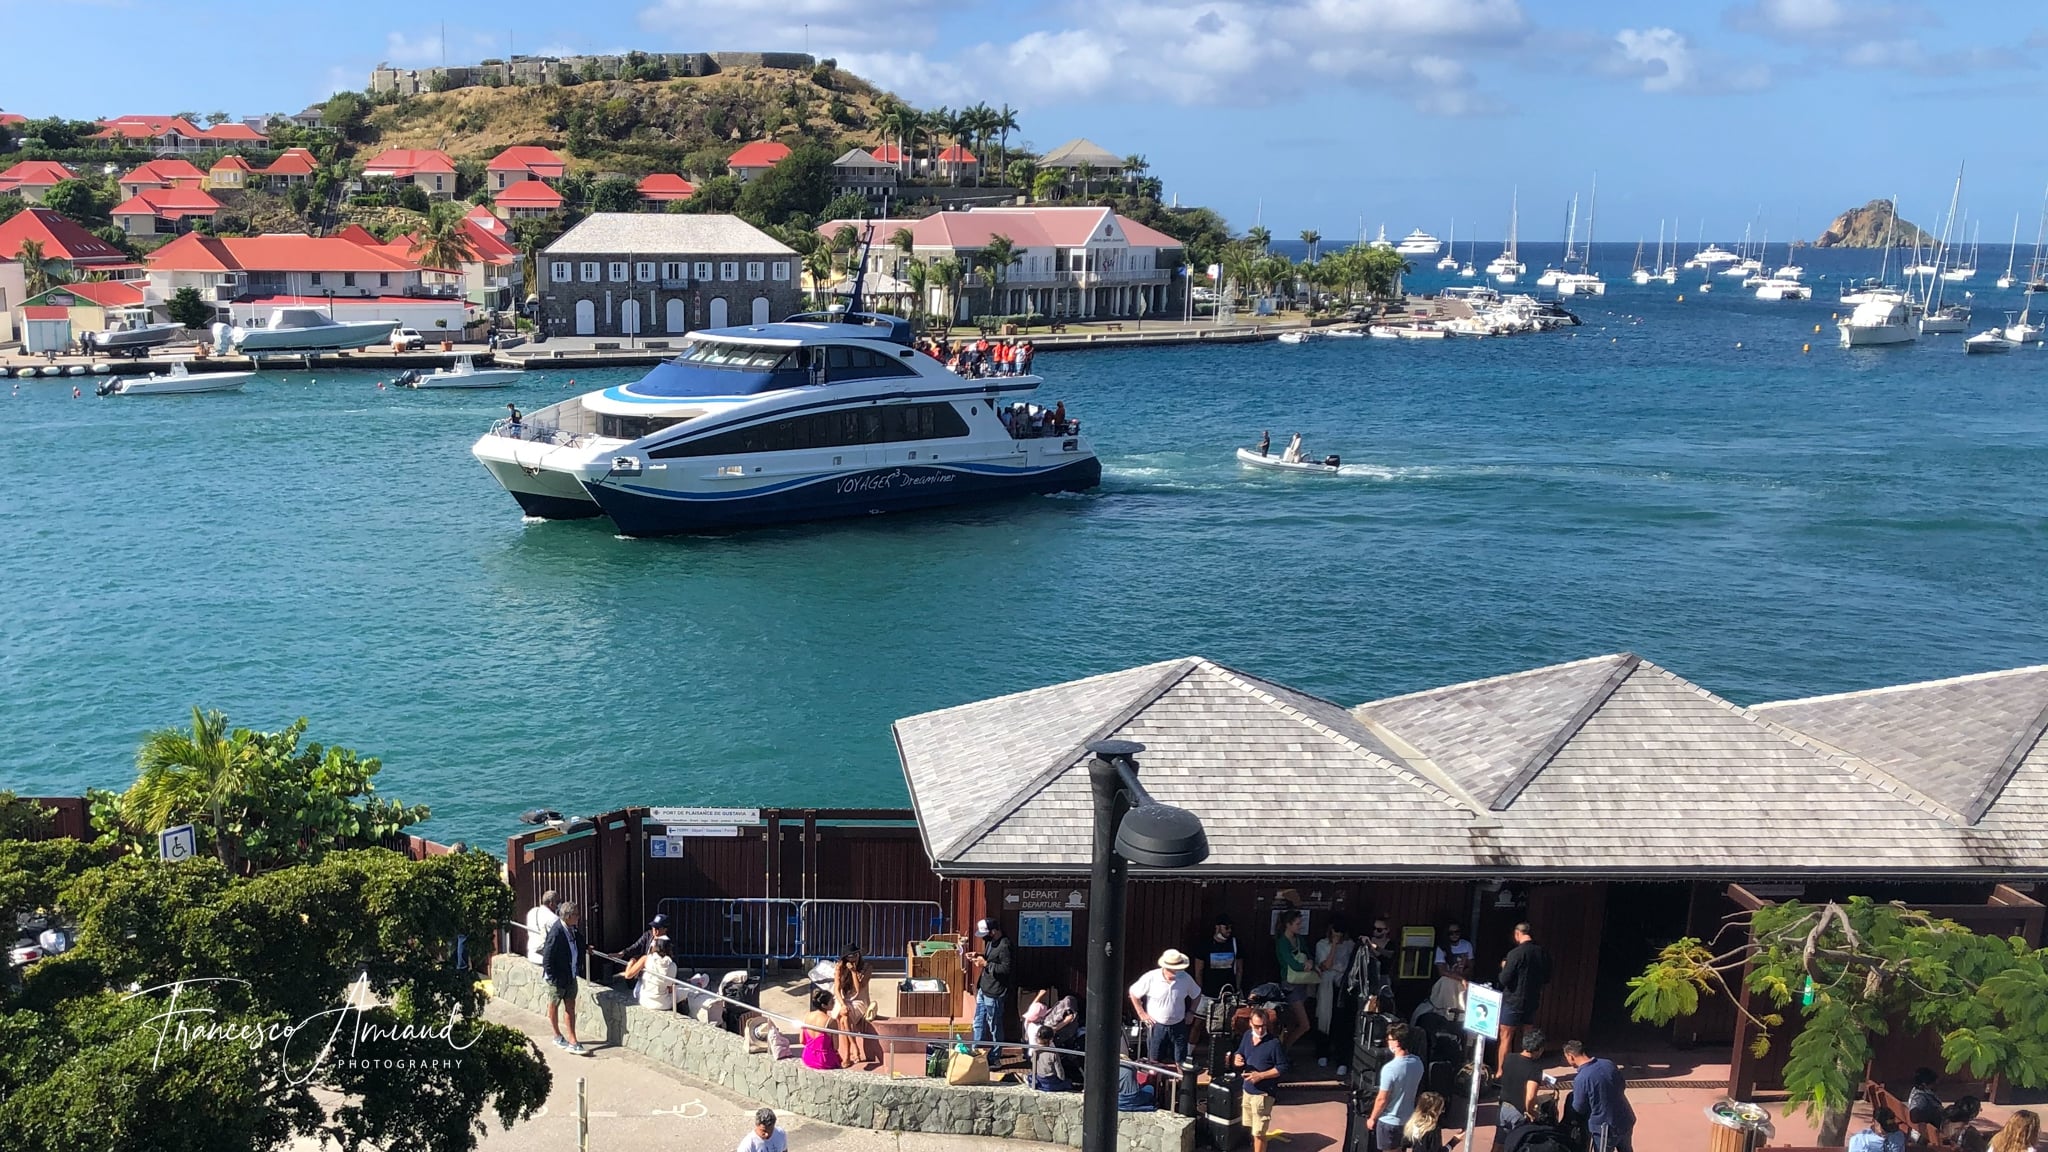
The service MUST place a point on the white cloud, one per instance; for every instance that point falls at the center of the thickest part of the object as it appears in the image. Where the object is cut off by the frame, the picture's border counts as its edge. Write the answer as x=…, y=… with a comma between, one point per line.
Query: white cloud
x=1662, y=55
x=421, y=50
x=833, y=27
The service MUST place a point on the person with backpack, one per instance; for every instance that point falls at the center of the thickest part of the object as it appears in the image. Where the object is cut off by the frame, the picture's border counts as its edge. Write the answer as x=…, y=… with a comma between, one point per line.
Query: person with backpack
x=1400, y=1082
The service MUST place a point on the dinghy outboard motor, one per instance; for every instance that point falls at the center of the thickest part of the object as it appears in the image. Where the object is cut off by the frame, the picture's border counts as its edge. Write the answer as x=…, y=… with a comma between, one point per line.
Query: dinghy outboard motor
x=1332, y=462
x=223, y=338
x=106, y=387
x=407, y=378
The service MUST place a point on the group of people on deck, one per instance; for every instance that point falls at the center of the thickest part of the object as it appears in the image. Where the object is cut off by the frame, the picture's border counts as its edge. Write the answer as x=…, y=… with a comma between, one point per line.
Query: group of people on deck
x=983, y=357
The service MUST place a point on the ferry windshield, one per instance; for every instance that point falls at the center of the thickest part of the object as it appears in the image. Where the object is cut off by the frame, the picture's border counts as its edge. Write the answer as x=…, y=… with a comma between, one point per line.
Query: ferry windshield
x=745, y=357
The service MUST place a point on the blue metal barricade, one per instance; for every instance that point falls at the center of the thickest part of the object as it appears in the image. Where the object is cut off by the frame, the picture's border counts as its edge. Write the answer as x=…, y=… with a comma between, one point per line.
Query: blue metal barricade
x=879, y=928
x=750, y=929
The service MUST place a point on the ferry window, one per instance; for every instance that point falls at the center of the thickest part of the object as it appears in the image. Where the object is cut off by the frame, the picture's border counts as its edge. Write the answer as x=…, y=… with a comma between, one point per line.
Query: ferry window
x=751, y=357
x=633, y=427
x=754, y=269
x=880, y=424
x=846, y=362
x=780, y=270
x=703, y=271
x=729, y=270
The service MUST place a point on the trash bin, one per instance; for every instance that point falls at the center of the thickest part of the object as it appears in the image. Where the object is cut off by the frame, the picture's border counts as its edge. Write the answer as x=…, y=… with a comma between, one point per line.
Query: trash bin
x=1738, y=1127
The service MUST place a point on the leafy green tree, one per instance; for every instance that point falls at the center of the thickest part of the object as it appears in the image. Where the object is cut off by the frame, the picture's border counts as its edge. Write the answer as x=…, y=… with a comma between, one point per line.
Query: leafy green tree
x=58, y=134
x=40, y=273
x=257, y=800
x=347, y=113
x=188, y=309
x=799, y=182
x=718, y=194
x=1046, y=185
x=998, y=256
x=1856, y=968
x=851, y=206
x=615, y=194
x=360, y=943
x=88, y=201
x=1311, y=237
x=413, y=197
x=22, y=818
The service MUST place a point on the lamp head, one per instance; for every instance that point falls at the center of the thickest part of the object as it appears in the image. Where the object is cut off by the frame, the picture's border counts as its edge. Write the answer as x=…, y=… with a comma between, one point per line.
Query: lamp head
x=1115, y=749
x=1162, y=836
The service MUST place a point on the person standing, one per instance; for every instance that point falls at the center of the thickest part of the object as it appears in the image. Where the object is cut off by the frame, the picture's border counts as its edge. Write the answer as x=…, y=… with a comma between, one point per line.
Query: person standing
x=1261, y=1060
x=1219, y=963
x=1335, y=1008
x=1599, y=1101
x=1297, y=973
x=1266, y=442
x=765, y=1137
x=1523, y=976
x=539, y=919
x=559, y=956
x=992, y=986
x=1164, y=998
x=1400, y=1084
x=1454, y=958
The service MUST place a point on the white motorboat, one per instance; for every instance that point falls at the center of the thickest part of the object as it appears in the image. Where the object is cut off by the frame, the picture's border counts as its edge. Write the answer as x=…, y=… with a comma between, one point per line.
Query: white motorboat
x=1990, y=340
x=821, y=416
x=1878, y=322
x=1781, y=289
x=1381, y=241
x=1467, y=272
x=1789, y=271
x=298, y=331
x=176, y=382
x=1710, y=256
x=1298, y=336
x=1581, y=284
x=1418, y=243
x=1422, y=331
x=1249, y=457
x=1947, y=319
x=1382, y=332
x=464, y=374
x=1744, y=266
x=1344, y=333
x=131, y=334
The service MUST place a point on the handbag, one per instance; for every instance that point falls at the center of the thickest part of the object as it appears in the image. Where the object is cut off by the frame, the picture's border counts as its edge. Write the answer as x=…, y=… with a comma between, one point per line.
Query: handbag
x=965, y=1071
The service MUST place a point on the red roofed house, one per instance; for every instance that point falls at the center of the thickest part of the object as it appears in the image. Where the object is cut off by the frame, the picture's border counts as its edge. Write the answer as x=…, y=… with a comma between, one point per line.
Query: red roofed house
x=664, y=188
x=246, y=276
x=91, y=306
x=429, y=168
x=230, y=171
x=63, y=242
x=169, y=135
x=526, y=199
x=164, y=211
x=173, y=173
x=494, y=278
x=31, y=179
x=957, y=162
x=295, y=166
x=1079, y=263
x=753, y=159
x=523, y=162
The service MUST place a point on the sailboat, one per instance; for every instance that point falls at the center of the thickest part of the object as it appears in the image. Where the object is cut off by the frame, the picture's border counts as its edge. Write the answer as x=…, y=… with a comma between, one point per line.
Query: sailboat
x=1745, y=265
x=1469, y=270
x=1640, y=274
x=1585, y=282
x=2011, y=254
x=1935, y=316
x=1507, y=266
x=1879, y=288
x=2037, y=269
x=1550, y=274
x=1961, y=273
x=1667, y=266
x=1450, y=259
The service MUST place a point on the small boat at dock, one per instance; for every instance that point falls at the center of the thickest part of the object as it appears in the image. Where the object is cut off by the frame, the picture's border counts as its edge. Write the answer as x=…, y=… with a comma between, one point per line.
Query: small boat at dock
x=179, y=381
x=463, y=374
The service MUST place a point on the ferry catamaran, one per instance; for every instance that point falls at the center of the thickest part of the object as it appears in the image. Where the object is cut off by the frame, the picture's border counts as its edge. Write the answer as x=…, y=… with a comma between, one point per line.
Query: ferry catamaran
x=820, y=416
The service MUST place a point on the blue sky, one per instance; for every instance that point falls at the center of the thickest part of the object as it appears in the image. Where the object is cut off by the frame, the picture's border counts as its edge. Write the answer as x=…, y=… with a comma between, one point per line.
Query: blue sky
x=1301, y=113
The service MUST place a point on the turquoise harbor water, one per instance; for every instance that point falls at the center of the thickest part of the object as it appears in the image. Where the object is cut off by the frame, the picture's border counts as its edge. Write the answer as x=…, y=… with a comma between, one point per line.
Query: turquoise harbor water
x=1764, y=521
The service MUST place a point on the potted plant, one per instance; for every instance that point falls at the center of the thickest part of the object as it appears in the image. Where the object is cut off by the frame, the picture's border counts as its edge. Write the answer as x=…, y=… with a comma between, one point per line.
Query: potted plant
x=447, y=345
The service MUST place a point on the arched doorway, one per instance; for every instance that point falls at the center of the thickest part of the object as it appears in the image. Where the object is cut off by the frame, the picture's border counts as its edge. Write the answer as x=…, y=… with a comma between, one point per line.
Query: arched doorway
x=718, y=312
x=677, y=323
x=586, y=318
x=760, y=309
x=629, y=317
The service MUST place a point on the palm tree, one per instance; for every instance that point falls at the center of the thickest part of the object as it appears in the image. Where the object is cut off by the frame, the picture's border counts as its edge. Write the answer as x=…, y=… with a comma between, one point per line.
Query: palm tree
x=1311, y=237
x=1085, y=173
x=997, y=256
x=1005, y=123
x=819, y=265
x=443, y=242
x=35, y=270
x=936, y=123
x=901, y=122
x=1258, y=237
x=904, y=241
x=1134, y=167
x=947, y=273
x=918, y=278
x=186, y=774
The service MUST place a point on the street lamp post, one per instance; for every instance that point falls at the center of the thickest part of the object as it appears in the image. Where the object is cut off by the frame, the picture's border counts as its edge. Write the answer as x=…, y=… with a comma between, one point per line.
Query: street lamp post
x=1130, y=828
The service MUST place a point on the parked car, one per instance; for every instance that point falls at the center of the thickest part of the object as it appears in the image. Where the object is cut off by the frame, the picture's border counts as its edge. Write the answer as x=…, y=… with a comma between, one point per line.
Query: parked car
x=407, y=340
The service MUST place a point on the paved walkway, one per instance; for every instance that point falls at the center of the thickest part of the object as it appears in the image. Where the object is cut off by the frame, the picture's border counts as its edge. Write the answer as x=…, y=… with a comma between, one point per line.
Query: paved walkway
x=634, y=1102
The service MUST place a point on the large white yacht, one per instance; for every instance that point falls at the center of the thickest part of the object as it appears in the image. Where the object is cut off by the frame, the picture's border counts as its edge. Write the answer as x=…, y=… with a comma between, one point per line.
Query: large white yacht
x=820, y=416
x=1878, y=321
x=1710, y=256
x=1419, y=243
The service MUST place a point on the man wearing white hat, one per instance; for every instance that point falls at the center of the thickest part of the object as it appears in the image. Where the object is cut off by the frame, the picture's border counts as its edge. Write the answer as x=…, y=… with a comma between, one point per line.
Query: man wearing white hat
x=1164, y=997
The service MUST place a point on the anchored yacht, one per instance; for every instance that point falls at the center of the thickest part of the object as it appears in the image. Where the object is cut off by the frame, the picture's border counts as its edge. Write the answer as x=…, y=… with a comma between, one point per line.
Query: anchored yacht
x=1418, y=243
x=821, y=416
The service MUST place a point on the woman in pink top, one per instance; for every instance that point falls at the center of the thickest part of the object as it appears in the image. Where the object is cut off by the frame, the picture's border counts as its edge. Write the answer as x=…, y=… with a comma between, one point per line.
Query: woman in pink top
x=821, y=1049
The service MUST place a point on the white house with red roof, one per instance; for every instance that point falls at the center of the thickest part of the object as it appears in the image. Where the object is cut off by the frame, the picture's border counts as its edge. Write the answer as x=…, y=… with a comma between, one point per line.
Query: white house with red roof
x=170, y=135
x=293, y=166
x=32, y=179
x=665, y=188
x=1072, y=262
x=245, y=276
x=64, y=243
x=429, y=168
x=753, y=159
x=230, y=171
x=168, y=173
x=524, y=162
x=528, y=198
x=957, y=164
x=494, y=278
x=164, y=211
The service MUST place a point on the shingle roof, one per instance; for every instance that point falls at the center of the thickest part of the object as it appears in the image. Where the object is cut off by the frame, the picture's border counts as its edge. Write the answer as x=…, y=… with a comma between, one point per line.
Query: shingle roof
x=275, y=253
x=860, y=158
x=61, y=238
x=169, y=203
x=1077, y=152
x=1608, y=766
x=1960, y=741
x=293, y=162
x=620, y=233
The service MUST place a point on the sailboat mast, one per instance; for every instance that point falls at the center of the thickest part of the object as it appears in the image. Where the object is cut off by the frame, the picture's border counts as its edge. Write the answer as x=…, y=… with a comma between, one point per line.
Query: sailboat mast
x=1891, y=225
x=2012, y=253
x=1934, y=287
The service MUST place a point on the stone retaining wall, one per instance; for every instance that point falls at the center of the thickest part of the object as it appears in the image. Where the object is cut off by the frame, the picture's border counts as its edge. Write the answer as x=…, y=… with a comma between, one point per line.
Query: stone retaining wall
x=847, y=1098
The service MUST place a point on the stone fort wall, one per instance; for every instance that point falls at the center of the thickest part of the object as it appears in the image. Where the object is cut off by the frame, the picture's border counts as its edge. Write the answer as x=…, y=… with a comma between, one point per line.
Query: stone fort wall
x=564, y=69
